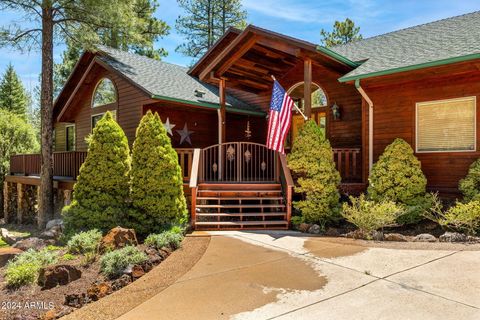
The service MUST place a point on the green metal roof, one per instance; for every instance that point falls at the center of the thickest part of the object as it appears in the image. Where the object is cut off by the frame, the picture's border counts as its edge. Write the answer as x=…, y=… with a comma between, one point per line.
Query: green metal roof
x=436, y=43
x=167, y=81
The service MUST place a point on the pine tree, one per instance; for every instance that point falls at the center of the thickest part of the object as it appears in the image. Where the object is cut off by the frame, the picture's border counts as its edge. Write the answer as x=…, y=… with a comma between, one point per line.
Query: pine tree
x=102, y=188
x=397, y=176
x=205, y=22
x=343, y=32
x=156, y=179
x=311, y=160
x=13, y=96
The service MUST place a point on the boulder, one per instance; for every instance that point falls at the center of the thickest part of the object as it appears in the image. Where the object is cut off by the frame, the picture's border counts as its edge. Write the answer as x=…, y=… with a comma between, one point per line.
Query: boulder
x=356, y=234
x=32, y=243
x=137, y=272
x=473, y=239
x=58, y=275
x=76, y=300
x=54, y=223
x=99, y=290
x=314, y=229
x=395, y=237
x=453, y=237
x=118, y=238
x=425, y=237
x=11, y=238
x=303, y=227
x=6, y=254
x=332, y=232
x=377, y=235
x=121, y=282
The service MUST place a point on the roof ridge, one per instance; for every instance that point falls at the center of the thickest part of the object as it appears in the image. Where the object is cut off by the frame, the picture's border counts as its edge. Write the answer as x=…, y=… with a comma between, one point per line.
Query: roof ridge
x=402, y=29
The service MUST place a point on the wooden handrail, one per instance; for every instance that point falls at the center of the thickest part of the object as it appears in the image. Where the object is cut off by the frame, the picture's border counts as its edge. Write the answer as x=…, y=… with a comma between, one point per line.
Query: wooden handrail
x=289, y=185
x=194, y=183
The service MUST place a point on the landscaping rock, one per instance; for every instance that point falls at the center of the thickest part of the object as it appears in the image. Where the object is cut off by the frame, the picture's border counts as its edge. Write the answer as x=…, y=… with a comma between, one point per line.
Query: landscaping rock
x=76, y=300
x=314, y=229
x=6, y=254
x=148, y=266
x=473, y=239
x=303, y=227
x=118, y=238
x=54, y=223
x=137, y=272
x=356, y=234
x=99, y=290
x=453, y=237
x=425, y=237
x=377, y=235
x=55, y=275
x=332, y=232
x=395, y=237
x=11, y=238
x=121, y=282
x=32, y=243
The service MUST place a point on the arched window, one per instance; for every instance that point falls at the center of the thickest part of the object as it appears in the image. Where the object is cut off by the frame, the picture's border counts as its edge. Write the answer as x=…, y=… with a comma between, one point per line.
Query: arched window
x=105, y=93
x=319, y=98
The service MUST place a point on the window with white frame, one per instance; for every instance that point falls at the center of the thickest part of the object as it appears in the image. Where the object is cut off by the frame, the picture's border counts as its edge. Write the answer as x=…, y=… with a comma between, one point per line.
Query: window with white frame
x=96, y=117
x=70, y=137
x=446, y=125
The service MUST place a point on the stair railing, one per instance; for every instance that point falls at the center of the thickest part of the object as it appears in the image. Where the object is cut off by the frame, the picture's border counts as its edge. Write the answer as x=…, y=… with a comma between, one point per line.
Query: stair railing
x=194, y=184
x=287, y=184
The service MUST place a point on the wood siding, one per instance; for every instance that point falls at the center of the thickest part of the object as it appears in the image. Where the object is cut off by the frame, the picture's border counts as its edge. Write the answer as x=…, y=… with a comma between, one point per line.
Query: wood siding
x=394, y=117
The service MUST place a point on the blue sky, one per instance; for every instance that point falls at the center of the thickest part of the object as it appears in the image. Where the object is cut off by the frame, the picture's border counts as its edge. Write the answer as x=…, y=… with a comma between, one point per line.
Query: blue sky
x=298, y=18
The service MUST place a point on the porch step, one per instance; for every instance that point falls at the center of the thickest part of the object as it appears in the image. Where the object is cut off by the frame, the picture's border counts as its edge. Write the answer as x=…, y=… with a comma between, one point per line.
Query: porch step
x=244, y=214
x=240, y=206
x=278, y=224
x=239, y=198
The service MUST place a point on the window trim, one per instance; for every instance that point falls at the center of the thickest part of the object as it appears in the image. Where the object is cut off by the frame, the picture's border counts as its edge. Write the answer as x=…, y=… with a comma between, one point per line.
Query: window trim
x=297, y=84
x=74, y=137
x=95, y=91
x=114, y=112
x=467, y=98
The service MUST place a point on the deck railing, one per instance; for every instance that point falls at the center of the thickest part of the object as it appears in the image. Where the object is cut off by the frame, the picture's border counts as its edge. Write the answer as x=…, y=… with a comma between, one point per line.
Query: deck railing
x=67, y=164
x=349, y=163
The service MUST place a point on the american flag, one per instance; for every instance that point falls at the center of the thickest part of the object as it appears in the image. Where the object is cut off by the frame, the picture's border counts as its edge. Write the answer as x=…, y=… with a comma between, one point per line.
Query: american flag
x=280, y=117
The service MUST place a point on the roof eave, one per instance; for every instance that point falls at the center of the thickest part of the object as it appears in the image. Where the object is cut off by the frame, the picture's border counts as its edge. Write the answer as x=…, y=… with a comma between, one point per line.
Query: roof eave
x=338, y=57
x=209, y=105
x=411, y=67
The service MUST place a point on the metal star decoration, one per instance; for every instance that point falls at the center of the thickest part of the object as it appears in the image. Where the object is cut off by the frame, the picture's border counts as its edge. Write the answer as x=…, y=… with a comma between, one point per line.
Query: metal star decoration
x=185, y=134
x=169, y=126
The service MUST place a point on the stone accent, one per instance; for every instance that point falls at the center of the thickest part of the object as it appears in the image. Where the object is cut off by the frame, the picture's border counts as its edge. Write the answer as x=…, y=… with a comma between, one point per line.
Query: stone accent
x=32, y=243
x=453, y=237
x=303, y=227
x=118, y=238
x=58, y=275
x=425, y=237
x=98, y=291
x=6, y=254
x=314, y=229
x=395, y=237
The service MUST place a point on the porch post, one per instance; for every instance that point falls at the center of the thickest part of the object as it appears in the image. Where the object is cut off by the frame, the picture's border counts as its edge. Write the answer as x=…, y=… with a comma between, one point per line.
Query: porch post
x=221, y=125
x=307, y=86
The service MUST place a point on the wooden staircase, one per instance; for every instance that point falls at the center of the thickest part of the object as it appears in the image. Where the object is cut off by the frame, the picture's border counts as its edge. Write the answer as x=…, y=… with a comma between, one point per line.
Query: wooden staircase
x=240, y=206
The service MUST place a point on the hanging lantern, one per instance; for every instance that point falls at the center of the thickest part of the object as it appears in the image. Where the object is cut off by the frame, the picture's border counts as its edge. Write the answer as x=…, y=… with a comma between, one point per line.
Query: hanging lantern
x=248, y=132
x=335, y=111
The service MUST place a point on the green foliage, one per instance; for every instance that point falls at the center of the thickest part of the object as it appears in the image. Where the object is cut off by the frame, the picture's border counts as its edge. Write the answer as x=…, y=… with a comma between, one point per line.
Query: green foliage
x=297, y=221
x=84, y=242
x=165, y=239
x=311, y=160
x=470, y=185
x=68, y=257
x=24, y=268
x=99, y=197
x=113, y=263
x=3, y=244
x=13, y=96
x=463, y=217
x=156, y=179
x=397, y=176
x=343, y=32
x=370, y=216
x=205, y=22
x=53, y=248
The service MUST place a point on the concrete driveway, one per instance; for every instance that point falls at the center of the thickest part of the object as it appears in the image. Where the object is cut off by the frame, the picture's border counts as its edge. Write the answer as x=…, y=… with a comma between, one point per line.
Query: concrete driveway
x=282, y=275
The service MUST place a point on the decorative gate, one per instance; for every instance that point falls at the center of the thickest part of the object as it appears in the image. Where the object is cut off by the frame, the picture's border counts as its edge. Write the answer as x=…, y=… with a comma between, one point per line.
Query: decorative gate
x=238, y=162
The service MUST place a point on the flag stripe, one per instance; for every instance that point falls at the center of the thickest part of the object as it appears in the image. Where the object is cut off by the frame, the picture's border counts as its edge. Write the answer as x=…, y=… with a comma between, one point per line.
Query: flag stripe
x=280, y=117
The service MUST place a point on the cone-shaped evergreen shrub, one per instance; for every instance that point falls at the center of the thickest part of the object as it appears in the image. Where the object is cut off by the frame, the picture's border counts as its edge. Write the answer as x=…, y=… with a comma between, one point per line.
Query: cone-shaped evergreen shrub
x=156, y=179
x=397, y=176
x=102, y=188
x=311, y=160
x=470, y=185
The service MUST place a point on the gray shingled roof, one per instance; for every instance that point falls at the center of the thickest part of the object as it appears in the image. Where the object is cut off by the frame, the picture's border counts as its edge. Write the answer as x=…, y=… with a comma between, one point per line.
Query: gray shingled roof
x=166, y=80
x=444, y=39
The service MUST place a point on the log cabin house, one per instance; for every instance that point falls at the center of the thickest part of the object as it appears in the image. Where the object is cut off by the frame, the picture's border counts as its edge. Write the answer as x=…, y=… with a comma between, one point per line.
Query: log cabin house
x=420, y=84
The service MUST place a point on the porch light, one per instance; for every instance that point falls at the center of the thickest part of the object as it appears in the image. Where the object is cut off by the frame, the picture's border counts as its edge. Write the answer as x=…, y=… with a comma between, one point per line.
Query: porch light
x=336, y=111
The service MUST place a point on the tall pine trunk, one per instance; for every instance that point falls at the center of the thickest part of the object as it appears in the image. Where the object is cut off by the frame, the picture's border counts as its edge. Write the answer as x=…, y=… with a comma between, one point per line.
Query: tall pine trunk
x=46, y=97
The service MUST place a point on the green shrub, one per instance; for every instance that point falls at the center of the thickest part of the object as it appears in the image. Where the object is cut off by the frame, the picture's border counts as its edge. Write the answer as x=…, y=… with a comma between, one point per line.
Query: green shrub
x=24, y=268
x=311, y=160
x=156, y=179
x=53, y=248
x=113, y=263
x=84, y=242
x=164, y=239
x=470, y=185
x=463, y=217
x=397, y=176
x=99, y=197
x=68, y=257
x=370, y=216
x=296, y=221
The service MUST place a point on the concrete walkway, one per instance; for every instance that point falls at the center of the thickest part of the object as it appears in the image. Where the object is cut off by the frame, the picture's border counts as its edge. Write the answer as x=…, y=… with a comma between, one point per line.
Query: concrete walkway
x=282, y=275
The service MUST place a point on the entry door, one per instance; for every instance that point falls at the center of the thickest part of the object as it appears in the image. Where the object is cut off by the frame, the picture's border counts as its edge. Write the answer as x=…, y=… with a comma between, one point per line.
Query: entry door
x=320, y=117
